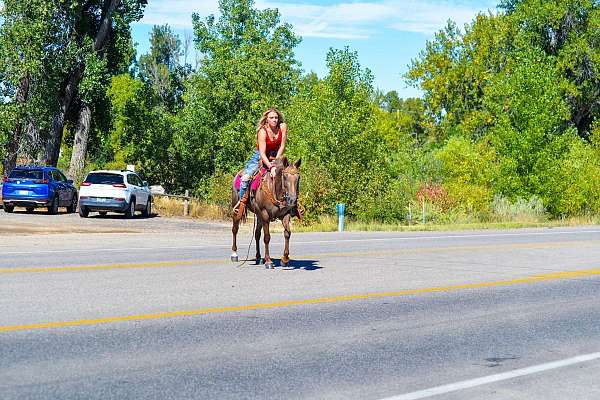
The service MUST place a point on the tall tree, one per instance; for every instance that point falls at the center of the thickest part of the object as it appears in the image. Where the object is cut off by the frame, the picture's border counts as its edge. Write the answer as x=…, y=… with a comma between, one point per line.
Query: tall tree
x=248, y=65
x=333, y=122
x=161, y=68
x=113, y=58
x=25, y=32
x=90, y=26
x=569, y=32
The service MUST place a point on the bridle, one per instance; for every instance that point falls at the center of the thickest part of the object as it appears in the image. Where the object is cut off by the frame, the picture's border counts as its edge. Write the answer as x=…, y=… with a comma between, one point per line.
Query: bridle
x=285, y=201
x=290, y=170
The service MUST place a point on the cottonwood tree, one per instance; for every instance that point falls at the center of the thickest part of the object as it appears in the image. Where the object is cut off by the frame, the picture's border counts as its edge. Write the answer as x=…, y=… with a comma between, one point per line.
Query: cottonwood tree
x=92, y=28
x=247, y=66
x=27, y=69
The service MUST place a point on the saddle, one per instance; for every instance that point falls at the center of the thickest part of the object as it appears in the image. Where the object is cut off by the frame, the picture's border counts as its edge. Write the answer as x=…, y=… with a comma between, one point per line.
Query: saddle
x=255, y=180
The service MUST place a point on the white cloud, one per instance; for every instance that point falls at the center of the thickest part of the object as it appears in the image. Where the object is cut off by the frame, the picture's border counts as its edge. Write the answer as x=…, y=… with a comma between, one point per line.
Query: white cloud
x=177, y=13
x=430, y=17
x=344, y=20
x=339, y=21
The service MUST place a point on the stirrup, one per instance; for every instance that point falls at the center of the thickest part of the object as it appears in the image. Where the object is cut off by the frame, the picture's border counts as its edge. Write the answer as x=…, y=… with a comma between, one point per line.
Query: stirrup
x=299, y=213
x=239, y=209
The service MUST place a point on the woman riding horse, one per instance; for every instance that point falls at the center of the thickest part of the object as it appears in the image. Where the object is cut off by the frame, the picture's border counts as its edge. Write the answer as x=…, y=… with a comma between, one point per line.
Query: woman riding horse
x=271, y=135
x=276, y=198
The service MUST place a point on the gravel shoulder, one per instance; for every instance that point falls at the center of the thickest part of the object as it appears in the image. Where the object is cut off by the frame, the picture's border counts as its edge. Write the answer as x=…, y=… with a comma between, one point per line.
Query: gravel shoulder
x=40, y=223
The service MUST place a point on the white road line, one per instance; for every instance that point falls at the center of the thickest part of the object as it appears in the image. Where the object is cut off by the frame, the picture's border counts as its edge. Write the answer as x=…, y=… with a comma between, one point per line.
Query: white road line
x=453, y=387
x=336, y=241
x=444, y=237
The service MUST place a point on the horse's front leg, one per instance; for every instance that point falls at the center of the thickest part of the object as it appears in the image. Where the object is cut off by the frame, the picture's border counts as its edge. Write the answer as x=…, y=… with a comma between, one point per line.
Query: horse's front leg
x=267, y=239
x=257, y=238
x=234, y=231
x=287, y=233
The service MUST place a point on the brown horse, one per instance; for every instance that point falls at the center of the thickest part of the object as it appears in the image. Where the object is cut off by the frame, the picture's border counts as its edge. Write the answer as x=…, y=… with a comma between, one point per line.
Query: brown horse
x=276, y=198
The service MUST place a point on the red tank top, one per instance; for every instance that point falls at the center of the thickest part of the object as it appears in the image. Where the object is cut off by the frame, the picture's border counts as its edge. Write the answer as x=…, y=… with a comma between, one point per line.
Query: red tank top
x=272, y=145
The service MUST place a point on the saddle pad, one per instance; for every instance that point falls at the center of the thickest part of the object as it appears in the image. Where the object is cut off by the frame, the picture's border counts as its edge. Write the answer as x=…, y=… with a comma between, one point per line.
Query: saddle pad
x=255, y=182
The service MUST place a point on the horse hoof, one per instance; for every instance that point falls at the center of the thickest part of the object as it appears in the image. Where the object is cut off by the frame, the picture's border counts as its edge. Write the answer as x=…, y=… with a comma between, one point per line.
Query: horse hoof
x=284, y=264
x=269, y=265
x=259, y=261
x=235, y=259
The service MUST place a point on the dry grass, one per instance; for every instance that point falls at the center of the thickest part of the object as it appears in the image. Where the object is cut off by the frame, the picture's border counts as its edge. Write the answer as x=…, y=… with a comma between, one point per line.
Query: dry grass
x=327, y=223
x=173, y=207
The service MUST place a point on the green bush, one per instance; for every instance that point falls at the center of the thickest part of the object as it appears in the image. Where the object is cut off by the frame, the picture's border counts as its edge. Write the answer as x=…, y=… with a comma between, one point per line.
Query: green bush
x=569, y=183
x=521, y=210
x=383, y=199
x=468, y=170
x=216, y=190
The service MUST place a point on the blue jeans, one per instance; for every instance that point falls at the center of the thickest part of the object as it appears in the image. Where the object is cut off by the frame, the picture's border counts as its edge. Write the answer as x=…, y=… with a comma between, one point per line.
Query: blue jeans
x=251, y=167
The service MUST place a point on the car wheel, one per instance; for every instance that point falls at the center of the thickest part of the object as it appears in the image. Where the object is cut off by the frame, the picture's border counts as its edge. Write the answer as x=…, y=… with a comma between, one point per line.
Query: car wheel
x=29, y=210
x=73, y=206
x=131, y=209
x=53, y=207
x=8, y=208
x=148, y=210
x=83, y=211
x=103, y=213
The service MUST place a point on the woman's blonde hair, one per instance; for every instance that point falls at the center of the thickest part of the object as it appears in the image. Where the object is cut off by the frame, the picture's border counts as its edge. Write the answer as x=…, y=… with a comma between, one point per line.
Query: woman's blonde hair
x=263, y=120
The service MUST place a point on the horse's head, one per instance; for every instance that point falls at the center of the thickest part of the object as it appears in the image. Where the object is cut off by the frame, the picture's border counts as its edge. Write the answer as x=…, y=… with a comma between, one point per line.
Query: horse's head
x=290, y=182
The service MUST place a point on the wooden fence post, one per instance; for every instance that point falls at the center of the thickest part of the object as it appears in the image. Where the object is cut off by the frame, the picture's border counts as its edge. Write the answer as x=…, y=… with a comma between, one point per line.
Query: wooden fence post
x=186, y=204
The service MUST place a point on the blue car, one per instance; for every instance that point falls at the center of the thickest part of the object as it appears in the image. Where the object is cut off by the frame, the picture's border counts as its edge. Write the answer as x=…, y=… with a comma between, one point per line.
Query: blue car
x=33, y=186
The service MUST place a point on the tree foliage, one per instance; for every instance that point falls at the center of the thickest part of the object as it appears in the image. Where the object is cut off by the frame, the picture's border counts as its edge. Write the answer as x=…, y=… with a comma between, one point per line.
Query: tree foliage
x=509, y=121
x=248, y=65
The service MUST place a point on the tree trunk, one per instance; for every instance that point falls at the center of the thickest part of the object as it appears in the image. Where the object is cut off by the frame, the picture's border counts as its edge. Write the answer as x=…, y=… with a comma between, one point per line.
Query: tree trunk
x=58, y=122
x=12, y=147
x=80, y=143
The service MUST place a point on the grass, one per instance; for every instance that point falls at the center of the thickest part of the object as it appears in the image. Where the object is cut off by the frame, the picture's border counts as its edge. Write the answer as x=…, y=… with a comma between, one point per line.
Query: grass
x=327, y=223
x=173, y=207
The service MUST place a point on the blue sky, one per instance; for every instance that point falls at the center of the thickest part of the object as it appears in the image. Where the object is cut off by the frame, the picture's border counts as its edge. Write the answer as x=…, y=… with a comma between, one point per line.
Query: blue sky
x=387, y=34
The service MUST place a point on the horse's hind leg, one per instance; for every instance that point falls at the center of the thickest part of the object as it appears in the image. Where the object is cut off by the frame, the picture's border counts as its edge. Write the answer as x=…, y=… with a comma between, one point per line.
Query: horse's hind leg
x=257, y=238
x=287, y=233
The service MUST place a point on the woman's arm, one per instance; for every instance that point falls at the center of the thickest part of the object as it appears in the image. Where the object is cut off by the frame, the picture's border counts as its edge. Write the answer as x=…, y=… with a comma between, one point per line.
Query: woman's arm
x=284, y=133
x=262, y=147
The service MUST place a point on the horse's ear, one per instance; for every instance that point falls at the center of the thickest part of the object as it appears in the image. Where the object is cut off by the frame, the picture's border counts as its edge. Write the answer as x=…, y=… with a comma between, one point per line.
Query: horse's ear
x=297, y=163
x=285, y=161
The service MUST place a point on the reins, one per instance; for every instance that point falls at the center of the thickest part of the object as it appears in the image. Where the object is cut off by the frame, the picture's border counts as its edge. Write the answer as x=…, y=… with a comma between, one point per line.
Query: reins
x=265, y=189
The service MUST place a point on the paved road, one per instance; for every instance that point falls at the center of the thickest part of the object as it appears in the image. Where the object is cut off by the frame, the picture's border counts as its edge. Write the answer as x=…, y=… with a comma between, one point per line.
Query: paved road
x=164, y=314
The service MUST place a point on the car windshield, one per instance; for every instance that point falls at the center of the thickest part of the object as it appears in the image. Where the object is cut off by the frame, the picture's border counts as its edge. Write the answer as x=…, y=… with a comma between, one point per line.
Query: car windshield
x=34, y=174
x=104, y=178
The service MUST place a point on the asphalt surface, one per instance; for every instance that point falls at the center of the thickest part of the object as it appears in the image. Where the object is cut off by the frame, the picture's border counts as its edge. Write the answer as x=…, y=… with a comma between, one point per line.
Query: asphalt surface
x=155, y=310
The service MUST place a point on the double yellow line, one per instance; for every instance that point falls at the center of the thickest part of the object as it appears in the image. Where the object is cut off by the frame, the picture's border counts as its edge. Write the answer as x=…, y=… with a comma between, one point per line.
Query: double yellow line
x=218, y=310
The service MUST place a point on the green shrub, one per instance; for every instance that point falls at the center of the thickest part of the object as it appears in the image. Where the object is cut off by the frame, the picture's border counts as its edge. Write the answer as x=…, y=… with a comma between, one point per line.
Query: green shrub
x=521, y=210
x=468, y=170
x=216, y=190
x=569, y=181
x=383, y=199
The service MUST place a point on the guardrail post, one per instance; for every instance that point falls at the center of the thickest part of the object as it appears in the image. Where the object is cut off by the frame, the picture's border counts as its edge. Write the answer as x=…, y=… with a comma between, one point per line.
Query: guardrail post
x=186, y=204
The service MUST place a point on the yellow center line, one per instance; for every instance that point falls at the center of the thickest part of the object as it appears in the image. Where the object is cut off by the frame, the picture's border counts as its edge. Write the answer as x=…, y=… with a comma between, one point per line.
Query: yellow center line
x=376, y=253
x=150, y=264
x=321, y=300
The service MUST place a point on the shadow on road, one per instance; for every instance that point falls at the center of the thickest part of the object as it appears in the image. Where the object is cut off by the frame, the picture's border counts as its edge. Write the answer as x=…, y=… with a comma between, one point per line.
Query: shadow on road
x=307, y=265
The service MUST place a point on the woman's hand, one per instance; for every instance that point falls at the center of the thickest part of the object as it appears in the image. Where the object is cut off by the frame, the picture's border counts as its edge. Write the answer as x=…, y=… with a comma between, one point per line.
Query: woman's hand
x=273, y=171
